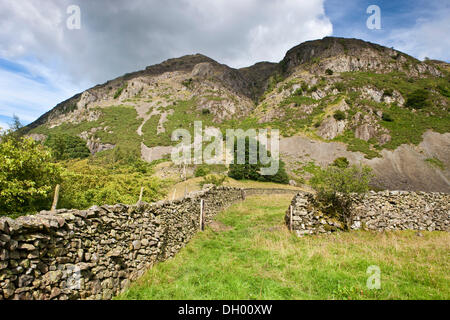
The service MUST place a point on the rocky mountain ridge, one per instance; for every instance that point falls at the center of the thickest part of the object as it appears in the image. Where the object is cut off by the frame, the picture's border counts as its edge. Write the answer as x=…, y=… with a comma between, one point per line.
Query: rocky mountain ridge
x=333, y=90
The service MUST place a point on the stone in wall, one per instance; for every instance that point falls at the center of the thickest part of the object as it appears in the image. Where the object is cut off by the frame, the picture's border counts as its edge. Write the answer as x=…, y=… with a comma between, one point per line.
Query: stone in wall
x=387, y=210
x=95, y=253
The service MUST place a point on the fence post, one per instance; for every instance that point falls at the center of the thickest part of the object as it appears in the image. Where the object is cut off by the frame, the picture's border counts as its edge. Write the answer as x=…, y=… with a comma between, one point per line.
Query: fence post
x=55, y=198
x=141, y=194
x=202, y=202
x=290, y=217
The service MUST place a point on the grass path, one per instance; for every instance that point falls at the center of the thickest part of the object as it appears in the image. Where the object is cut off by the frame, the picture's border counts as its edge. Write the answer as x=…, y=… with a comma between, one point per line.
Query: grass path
x=259, y=259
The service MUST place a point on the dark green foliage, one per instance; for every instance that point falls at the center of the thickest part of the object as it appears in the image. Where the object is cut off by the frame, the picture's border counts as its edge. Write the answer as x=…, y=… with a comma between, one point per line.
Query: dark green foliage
x=340, y=86
x=387, y=117
x=388, y=93
x=206, y=111
x=418, y=99
x=65, y=147
x=201, y=171
x=340, y=115
x=188, y=83
x=329, y=72
x=341, y=162
x=249, y=171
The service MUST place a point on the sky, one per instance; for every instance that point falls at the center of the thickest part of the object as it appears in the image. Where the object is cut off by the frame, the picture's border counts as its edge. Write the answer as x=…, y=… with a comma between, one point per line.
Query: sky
x=44, y=62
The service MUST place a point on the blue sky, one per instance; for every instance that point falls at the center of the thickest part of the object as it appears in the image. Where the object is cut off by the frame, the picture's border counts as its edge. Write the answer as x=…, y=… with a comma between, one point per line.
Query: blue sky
x=43, y=63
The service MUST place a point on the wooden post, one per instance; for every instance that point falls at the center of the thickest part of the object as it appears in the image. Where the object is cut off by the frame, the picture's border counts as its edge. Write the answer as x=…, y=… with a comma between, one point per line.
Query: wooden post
x=202, y=202
x=55, y=198
x=290, y=217
x=141, y=194
x=174, y=193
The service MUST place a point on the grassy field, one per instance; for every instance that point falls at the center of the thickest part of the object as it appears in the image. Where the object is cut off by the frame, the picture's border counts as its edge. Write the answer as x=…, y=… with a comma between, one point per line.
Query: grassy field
x=249, y=254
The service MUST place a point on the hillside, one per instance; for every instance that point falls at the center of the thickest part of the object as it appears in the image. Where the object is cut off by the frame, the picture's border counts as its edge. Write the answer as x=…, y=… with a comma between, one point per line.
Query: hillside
x=330, y=98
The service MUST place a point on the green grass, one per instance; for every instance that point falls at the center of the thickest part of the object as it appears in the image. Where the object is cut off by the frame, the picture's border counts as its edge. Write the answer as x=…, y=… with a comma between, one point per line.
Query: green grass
x=260, y=259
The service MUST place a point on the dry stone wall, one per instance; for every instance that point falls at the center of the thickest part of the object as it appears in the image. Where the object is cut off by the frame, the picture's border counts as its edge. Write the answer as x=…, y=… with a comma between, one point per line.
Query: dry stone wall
x=95, y=253
x=387, y=210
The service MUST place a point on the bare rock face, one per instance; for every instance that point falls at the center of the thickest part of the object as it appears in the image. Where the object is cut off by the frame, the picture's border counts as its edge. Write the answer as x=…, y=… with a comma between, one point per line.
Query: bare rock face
x=365, y=132
x=37, y=137
x=331, y=128
x=204, y=69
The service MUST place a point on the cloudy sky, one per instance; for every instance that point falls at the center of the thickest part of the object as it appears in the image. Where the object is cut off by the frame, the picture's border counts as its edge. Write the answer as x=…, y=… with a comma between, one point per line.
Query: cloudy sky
x=42, y=62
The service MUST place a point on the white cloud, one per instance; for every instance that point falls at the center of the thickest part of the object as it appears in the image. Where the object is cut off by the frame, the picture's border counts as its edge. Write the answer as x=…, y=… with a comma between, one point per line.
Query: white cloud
x=119, y=36
x=427, y=38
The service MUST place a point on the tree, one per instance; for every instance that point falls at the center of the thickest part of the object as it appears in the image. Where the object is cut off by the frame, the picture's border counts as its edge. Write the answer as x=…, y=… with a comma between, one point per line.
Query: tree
x=65, y=147
x=249, y=171
x=335, y=184
x=27, y=175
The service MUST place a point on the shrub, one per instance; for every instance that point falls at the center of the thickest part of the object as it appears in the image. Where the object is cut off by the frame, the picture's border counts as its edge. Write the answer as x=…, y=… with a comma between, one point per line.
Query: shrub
x=388, y=93
x=329, y=72
x=418, y=99
x=27, y=176
x=387, y=117
x=341, y=162
x=340, y=115
x=201, y=171
x=334, y=185
x=214, y=179
x=206, y=111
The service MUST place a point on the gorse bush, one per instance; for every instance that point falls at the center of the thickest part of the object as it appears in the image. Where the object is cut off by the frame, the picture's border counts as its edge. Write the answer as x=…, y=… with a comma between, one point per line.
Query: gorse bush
x=27, y=175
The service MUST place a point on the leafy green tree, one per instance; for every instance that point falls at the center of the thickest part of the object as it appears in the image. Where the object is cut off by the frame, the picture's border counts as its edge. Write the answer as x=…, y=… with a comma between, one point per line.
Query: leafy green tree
x=27, y=175
x=249, y=171
x=66, y=147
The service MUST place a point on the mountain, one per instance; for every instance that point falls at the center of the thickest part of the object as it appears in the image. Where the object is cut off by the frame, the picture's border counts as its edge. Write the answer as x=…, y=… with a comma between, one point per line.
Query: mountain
x=330, y=98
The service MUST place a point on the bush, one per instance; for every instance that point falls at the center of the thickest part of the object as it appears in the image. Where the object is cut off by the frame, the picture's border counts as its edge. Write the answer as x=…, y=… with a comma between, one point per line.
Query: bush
x=341, y=162
x=340, y=115
x=417, y=99
x=201, y=171
x=27, y=176
x=215, y=179
x=335, y=184
x=388, y=93
x=387, y=117
x=329, y=72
